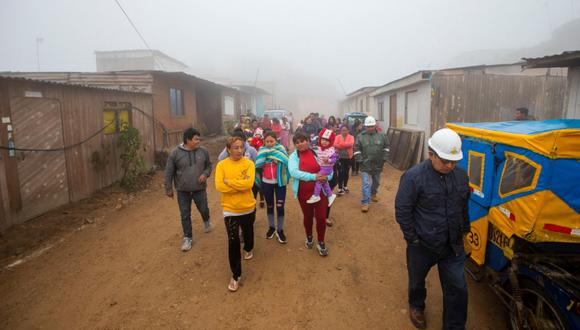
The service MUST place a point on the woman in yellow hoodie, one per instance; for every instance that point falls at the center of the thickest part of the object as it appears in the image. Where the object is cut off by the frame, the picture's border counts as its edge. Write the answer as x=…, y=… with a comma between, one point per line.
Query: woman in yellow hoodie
x=234, y=178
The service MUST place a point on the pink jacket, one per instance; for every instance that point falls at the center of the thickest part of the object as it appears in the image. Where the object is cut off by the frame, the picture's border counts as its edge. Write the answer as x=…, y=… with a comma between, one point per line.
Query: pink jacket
x=341, y=143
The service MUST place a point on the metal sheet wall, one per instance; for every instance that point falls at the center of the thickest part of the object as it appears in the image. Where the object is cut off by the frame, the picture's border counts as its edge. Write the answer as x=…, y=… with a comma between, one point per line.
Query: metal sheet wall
x=479, y=97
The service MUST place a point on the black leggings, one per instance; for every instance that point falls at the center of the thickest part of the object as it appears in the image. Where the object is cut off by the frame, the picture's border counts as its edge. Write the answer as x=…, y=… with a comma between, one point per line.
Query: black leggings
x=355, y=165
x=344, y=165
x=233, y=224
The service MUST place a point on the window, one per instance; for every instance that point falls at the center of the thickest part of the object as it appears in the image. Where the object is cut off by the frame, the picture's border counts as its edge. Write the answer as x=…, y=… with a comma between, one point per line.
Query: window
x=381, y=112
x=176, y=100
x=228, y=105
x=519, y=174
x=116, y=116
x=411, y=108
x=475, y=168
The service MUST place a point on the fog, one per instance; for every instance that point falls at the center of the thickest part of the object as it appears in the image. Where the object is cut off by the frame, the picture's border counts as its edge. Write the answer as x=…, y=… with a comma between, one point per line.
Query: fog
x=312, y=51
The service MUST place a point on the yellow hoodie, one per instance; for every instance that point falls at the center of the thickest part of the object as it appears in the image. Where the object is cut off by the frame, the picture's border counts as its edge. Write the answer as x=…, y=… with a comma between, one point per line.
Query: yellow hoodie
x=237, y=194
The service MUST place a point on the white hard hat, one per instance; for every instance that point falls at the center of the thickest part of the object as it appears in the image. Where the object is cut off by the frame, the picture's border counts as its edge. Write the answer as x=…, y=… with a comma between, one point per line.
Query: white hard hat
x=370, y=121
x=447, y=144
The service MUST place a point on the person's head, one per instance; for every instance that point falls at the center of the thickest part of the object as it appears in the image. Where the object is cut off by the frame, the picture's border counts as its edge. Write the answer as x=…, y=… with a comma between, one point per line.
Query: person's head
x=356, y=123
x=247, y=121
x=254, y=124
x=521, y=114
x=266, y=117
x=445, y=150
x=300, y=141
x=331, y=120
x=275, y=120
x=308, y=120
x=326, y=138
x=370, y=124
x=344, y=131
x=338, y=121
x=191, y=138
x=284, y=119
x=238, y=132
x=235, y=146
x=259, y=133
x=270, y=139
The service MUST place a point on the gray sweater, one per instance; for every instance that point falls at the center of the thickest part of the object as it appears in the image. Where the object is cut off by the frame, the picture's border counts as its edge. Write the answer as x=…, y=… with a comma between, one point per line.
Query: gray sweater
x=184, y=167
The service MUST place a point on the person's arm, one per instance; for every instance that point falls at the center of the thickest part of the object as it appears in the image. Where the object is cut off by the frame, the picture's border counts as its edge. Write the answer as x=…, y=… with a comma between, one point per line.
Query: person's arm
x=348, y=142
x=358, y=149
x=223, y=155
x=207, y=165
x=386, y=147
x=404, y=205
x=244, y=183
x=295, y=172
x=220, y=185
x=169, y=174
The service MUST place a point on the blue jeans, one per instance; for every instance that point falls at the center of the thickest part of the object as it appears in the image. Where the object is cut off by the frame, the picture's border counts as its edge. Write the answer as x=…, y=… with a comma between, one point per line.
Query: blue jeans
x=274, y=195
x=184, y=199
x=450, y=266
x=370, y=186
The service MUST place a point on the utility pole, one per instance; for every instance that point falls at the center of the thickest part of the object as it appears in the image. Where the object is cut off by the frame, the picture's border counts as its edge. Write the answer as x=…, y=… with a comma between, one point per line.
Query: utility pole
x=38, y=41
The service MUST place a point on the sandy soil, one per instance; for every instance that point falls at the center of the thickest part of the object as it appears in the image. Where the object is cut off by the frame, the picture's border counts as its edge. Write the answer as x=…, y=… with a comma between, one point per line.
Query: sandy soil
x=114, y=261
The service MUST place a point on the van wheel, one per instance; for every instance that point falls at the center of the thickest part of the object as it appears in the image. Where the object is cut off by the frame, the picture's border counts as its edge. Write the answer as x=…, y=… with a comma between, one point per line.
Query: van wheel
x=540, y=312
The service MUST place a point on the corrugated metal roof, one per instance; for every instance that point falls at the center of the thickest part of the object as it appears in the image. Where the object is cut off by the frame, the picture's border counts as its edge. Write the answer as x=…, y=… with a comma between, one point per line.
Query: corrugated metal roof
x=7, y=76
x=566, y=59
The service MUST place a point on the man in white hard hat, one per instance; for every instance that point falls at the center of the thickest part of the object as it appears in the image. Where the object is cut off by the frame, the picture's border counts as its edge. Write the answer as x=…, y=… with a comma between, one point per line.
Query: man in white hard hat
x=371, y=150
x=431, y=208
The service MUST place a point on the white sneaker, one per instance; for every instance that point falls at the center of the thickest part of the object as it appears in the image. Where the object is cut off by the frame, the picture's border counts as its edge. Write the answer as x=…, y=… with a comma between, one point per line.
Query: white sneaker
x=331, y=199
x=313, y=199
x=186, y=246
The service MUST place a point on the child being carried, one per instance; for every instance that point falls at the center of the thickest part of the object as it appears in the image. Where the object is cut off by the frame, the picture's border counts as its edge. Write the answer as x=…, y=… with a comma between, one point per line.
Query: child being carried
x=326, y=156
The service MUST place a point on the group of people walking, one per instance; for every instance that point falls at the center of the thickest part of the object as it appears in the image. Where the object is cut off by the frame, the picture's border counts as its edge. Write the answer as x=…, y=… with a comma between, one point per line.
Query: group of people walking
x=430, y=206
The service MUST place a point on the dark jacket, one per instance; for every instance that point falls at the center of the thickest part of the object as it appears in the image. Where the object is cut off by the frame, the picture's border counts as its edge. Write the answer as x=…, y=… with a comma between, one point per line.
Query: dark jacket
x=184, y=167
x=371, y=150
x=432, y=207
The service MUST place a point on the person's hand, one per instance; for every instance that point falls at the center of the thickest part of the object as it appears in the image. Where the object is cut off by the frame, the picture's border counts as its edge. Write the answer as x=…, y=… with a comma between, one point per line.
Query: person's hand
x=169, y=193
x=321, y=178
x=202, y=178
x=226, y=181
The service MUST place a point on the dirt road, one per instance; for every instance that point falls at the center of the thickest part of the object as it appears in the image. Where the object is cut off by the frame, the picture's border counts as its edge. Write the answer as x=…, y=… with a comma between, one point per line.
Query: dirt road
x=115, y=262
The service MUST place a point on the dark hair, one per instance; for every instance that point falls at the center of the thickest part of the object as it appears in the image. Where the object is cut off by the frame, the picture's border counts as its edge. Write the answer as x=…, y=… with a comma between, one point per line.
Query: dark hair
x=299, y=137
x=523, y=111
x=271, y=134
x=238, y=132
x=332, y=120
x=232, y=139
x=276, y=120
x=189, y=133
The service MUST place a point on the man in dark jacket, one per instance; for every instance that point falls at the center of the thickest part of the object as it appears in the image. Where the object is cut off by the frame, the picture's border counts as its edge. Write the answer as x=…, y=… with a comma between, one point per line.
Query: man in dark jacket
x=431, y=208
x=371, y=150
x=188, y=167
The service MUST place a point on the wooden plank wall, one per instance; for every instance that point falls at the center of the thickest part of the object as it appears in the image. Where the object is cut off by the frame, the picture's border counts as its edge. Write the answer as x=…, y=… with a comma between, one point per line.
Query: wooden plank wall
x=480, y=97
x=406, y=147
x=81, y=113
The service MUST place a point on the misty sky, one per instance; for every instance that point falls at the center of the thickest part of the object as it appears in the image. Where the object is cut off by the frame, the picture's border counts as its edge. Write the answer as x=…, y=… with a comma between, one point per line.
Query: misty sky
x=358, y=43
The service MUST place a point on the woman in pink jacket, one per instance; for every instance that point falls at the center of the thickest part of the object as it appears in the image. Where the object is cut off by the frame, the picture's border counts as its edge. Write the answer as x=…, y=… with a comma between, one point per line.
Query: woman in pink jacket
x=344, y=143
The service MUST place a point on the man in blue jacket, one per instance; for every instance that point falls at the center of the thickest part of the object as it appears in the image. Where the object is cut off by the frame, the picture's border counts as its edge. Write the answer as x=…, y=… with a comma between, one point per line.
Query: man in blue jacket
x=431, y=208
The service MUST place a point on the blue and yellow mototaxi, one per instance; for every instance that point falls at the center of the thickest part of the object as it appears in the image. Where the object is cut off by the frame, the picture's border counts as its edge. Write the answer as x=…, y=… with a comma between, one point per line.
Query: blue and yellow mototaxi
x=525, y=217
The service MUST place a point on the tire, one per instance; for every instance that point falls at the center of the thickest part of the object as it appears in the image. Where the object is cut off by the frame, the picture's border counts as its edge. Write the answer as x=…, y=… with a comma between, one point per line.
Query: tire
x=540, y=312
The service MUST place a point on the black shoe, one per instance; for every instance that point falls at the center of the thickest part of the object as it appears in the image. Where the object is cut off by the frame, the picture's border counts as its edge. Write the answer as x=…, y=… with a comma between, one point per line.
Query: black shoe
x=322, y=250
x=261, y=204
x=270, y=233
x=309, y=242
x=281, y=237
x=417, y=317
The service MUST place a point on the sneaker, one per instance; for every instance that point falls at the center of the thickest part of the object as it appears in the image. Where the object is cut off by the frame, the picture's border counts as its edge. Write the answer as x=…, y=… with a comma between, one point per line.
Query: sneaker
x=309, y=242
x=329, y=222
x=271, y=232
x=331, y=199
x=186, y=246
x=364, y=208
x=322, y=250
x=340, y=192
x=417, y=317
x=281, y=237
x=234, y=285
x=248, y=255
x=346, y=190
x=374, y=198
x=313, y=199
x=207, y=227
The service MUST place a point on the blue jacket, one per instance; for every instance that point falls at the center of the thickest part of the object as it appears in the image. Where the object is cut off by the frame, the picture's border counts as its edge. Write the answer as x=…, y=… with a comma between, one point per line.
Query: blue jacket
x=297, y=175
x=432, y=207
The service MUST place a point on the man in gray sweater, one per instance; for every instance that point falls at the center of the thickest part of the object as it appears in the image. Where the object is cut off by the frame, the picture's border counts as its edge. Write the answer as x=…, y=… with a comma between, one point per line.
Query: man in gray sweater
x=188, y=167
